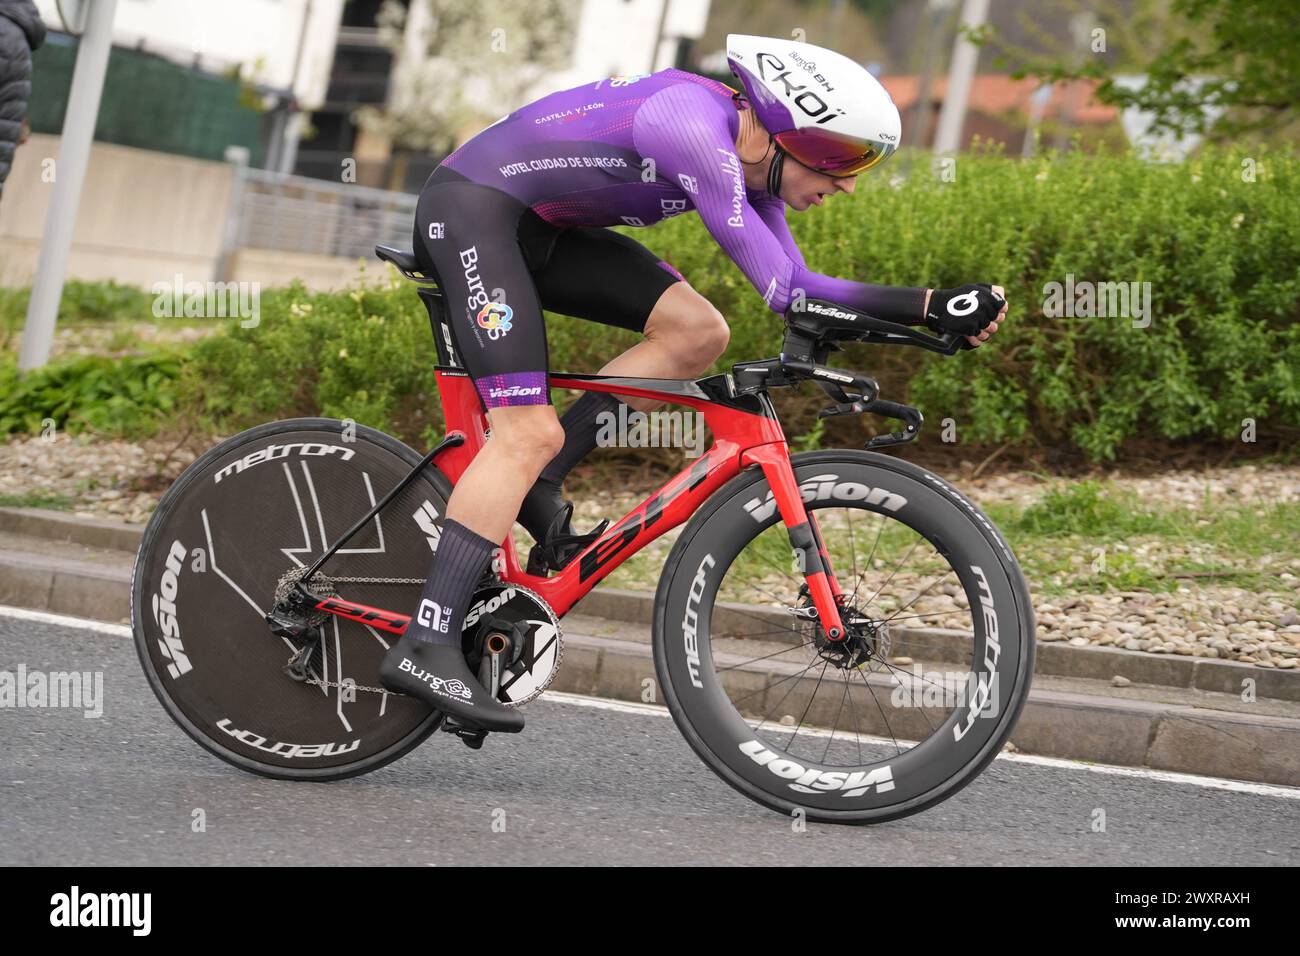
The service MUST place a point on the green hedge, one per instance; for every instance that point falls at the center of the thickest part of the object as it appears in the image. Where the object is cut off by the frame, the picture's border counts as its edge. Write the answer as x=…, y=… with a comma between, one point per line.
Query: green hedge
x=122, y=398
x=1222, y=256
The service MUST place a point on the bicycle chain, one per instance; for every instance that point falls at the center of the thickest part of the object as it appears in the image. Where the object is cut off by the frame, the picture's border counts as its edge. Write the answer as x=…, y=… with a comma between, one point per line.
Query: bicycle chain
x=331, y=580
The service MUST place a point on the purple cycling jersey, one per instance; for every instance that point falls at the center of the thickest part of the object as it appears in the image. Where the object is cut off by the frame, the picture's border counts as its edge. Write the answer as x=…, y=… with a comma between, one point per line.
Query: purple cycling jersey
x=636, y=150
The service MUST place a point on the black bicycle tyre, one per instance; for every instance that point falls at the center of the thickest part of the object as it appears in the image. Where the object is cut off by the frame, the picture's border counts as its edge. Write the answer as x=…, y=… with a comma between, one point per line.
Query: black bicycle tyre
x=671, y=663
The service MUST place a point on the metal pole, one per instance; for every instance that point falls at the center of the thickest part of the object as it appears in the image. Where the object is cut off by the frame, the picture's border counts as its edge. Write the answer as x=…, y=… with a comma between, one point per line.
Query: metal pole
x=937, y=13
x=659, y=36
x=965, y=56
x=70, y=174
x=292, y=129
x=237, y=157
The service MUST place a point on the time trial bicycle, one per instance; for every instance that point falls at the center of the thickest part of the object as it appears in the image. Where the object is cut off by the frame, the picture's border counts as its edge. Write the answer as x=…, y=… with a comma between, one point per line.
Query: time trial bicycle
x=275, y=571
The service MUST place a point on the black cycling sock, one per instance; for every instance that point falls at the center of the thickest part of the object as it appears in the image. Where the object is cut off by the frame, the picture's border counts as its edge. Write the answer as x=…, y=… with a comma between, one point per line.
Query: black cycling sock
x=582, y=423
x=459, y=563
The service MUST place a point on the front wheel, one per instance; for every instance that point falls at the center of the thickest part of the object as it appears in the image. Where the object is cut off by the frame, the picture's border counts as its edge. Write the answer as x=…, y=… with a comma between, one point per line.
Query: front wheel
x=910, y=706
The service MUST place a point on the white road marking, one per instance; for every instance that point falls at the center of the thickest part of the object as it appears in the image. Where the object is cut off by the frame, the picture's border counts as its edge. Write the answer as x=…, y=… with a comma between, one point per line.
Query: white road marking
x=655, y=710
x=1164, y=776
x=45, y=617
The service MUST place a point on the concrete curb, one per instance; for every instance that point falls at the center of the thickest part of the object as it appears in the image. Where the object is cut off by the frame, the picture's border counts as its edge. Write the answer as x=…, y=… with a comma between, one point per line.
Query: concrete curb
x=64, y=586
x=1130, y=733
x=58, y=526
x=1054, y=659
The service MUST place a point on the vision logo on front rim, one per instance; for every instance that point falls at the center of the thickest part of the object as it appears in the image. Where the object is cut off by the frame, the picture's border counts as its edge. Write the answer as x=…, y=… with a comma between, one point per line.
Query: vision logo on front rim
x=811, y=780
x=495, y=317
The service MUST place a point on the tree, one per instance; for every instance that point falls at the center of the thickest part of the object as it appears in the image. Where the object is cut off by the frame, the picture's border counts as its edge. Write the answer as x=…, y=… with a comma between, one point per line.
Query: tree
x=465, y=63
x=1236, y=55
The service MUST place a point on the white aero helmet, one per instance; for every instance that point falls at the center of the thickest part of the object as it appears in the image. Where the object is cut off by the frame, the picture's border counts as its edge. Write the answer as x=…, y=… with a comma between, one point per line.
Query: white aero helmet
x=822, y=108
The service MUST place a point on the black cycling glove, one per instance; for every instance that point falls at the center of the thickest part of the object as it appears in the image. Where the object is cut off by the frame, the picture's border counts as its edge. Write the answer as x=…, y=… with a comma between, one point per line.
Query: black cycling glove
x=965, y=310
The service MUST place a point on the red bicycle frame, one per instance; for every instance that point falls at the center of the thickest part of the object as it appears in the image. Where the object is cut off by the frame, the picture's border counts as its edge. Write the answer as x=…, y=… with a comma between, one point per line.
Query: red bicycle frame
x=745, y=434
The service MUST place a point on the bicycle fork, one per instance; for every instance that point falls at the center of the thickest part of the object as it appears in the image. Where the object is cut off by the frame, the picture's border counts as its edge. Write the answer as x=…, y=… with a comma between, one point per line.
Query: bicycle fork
x=805, y=538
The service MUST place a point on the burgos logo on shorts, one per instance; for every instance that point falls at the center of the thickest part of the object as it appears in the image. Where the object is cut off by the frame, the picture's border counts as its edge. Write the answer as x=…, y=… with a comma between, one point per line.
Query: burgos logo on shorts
x=495, y=317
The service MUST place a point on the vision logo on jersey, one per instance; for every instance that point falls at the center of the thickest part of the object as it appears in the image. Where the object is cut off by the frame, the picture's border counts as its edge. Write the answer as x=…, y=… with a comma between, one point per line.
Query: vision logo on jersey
x=495, y=317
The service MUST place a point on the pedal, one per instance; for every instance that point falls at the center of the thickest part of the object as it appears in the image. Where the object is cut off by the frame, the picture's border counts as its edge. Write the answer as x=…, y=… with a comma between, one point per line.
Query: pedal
x=537, y=565
x=471, y=737
x=555, y=553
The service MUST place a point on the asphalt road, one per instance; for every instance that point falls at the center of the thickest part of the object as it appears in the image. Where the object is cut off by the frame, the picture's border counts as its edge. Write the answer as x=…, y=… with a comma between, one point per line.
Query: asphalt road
x=587, y=783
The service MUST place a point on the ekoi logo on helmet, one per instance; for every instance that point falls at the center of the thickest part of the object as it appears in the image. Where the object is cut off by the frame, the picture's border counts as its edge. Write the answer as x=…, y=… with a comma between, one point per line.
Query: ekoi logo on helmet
x=495, y=317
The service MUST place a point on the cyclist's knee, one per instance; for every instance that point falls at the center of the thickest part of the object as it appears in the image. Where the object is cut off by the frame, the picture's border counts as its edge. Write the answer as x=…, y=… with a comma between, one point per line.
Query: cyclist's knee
x=529, y=434
x=714, y=334
x=688, y=324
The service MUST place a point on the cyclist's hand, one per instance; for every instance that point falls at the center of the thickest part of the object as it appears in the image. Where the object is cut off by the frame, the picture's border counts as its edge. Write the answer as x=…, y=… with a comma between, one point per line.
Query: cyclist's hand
x=971, y=310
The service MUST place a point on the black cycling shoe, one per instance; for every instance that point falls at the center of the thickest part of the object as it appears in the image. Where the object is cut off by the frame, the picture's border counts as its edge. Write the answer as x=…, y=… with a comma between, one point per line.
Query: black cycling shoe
x=560, y=545
x=540, y=506
x=438, y=675
x=547, y=517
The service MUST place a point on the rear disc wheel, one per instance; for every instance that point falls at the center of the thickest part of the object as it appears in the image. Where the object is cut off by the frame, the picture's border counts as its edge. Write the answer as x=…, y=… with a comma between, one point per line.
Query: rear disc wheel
x=241, y=521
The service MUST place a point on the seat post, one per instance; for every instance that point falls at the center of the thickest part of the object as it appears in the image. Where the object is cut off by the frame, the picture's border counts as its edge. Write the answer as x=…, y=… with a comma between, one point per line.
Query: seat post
x=444, y=341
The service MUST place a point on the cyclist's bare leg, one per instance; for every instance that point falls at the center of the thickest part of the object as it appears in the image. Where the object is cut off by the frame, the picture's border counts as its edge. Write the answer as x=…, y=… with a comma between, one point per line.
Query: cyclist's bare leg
x=487, y=497
x=684, y=335
x=428, y=661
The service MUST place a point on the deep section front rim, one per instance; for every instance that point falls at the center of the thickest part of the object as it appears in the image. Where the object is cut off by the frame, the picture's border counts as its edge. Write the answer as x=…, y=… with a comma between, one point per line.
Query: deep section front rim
x=704, y=704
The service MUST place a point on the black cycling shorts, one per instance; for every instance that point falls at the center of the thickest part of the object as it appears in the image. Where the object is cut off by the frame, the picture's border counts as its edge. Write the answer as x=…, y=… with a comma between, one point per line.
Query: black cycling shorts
x=499, y=264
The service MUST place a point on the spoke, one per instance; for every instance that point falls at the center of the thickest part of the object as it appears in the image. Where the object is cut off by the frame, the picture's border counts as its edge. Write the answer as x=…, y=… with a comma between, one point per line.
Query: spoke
x=749, y=635
x=922, y=707
x=807, y=706
x=852, y=547
x=779, y=600
x=910, y=617
x=892, y=574
x=918, y=595
x=831, y=738
x=895, y=669
x=883, y=716
x=811, y=665
x=773, y=565
x=857, y=727
x=761, y=620
x=866, y=565
x=755, y=660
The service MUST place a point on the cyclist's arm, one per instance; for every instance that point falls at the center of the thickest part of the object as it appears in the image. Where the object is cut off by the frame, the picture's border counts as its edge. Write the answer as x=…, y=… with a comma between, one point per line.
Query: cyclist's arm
x=685, y=131
x=771, y=210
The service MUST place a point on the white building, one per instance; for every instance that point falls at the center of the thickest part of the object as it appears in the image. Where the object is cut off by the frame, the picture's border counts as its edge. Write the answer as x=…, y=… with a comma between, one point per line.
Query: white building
x=282, y=45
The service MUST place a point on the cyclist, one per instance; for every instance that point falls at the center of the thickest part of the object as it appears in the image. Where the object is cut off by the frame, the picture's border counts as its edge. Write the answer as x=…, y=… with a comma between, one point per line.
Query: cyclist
x=513, y=222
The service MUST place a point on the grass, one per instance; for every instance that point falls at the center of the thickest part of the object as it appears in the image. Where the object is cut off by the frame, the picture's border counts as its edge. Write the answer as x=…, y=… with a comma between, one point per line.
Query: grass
x=1085, y=536
x=38, y=499
x=1088, y=537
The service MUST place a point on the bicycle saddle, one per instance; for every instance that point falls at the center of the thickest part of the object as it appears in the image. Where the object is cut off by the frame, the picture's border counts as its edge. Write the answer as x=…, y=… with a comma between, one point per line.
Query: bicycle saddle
x=405, y=261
